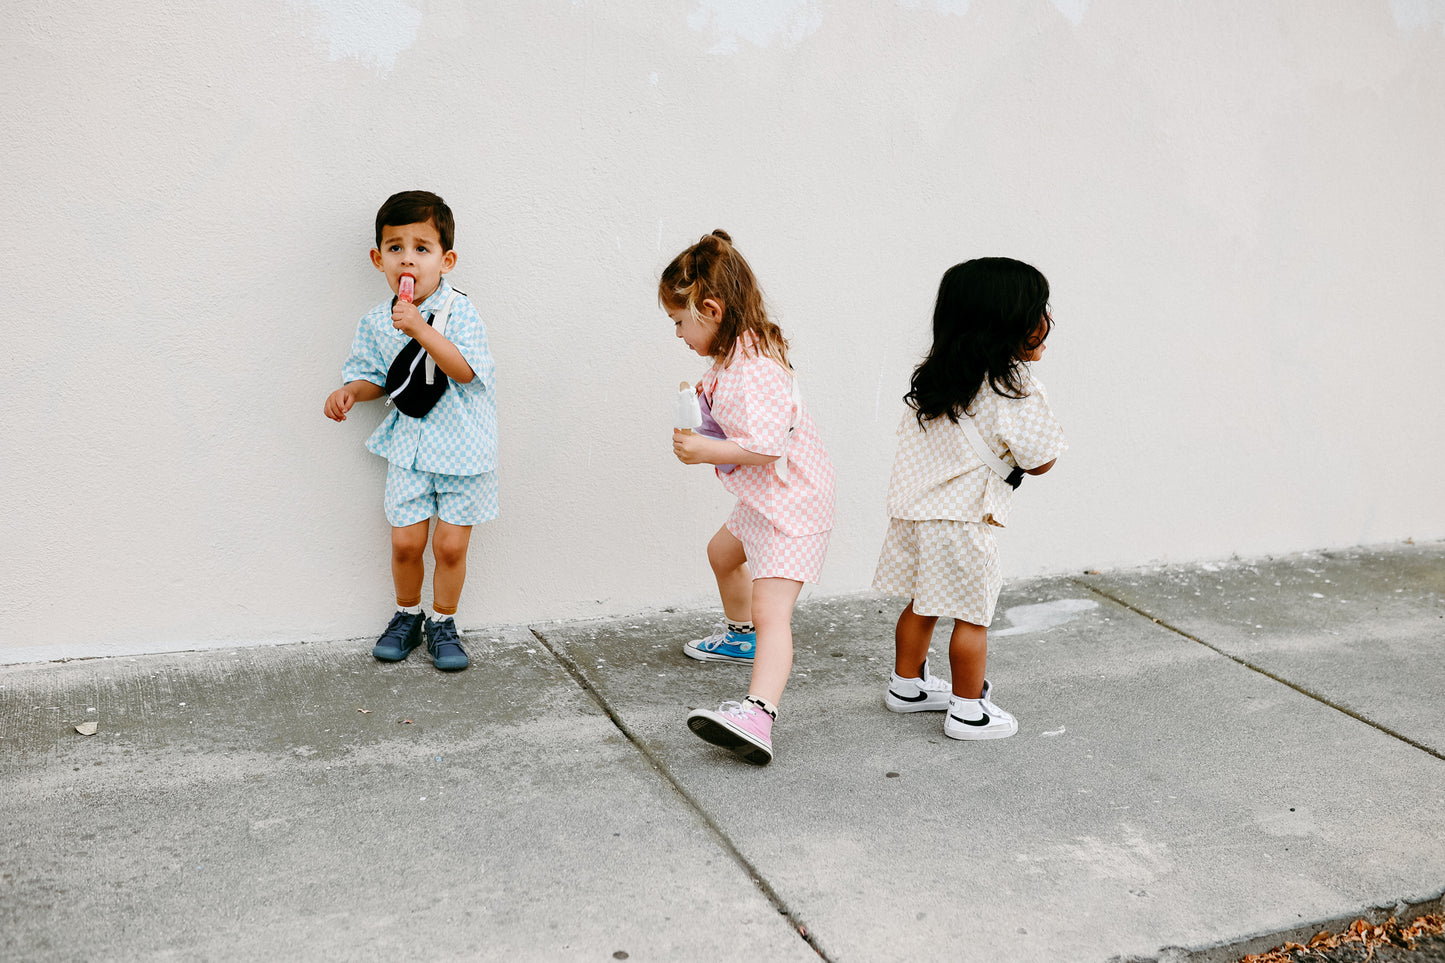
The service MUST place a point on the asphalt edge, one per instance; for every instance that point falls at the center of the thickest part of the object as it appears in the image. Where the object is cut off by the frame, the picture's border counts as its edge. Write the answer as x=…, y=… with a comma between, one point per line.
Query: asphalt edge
x=1404, y=911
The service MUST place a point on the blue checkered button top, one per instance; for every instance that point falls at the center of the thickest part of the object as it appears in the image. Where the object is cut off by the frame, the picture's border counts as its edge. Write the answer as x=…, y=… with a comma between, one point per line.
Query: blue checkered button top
x=459, y=435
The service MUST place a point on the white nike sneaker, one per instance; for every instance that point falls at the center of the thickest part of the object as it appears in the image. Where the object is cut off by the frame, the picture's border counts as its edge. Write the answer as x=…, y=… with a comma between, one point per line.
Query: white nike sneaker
x=978, y=719
x=926, y=693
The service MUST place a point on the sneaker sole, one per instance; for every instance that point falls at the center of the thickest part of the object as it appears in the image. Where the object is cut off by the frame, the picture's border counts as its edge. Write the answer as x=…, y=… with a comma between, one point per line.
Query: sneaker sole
x=703, y=656
x=978, y=735
x=720, y=735
x=446, y=666
x=392, y=655
x=924, y=706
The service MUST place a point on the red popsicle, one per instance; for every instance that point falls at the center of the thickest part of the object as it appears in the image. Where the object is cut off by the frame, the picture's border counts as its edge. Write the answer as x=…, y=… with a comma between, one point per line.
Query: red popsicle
x=406, y=287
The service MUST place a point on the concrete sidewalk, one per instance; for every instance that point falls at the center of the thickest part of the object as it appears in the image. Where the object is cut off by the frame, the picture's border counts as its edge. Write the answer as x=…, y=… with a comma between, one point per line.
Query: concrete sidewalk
x=1206, y=753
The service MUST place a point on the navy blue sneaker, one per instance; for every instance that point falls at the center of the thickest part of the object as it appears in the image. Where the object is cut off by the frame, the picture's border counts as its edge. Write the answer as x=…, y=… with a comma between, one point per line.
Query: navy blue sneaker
x=400, y=637
x=445, y=646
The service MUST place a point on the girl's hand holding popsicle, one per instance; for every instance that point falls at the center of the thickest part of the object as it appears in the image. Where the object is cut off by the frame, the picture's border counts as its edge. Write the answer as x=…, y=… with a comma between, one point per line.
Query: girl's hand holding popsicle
x=689, y=411
x=685, y=444
x=691, y=449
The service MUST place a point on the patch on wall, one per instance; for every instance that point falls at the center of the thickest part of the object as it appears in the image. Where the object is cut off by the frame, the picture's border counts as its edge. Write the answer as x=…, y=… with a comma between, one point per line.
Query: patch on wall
x=761, y=23
x=1073, y=9
x=956, y=7
x=375, y=32
x=1413, y=14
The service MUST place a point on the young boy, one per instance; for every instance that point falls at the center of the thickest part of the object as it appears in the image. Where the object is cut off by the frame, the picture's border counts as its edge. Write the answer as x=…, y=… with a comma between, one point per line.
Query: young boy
x=443, y=459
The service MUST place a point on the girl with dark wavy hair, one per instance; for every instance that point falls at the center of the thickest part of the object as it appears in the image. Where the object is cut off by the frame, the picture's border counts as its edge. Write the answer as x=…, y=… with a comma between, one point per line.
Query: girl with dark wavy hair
x=978, y=422
x=765, y=450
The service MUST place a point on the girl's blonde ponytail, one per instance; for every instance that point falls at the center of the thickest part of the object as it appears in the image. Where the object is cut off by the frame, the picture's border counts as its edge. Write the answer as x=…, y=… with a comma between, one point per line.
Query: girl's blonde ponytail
x=713, y=268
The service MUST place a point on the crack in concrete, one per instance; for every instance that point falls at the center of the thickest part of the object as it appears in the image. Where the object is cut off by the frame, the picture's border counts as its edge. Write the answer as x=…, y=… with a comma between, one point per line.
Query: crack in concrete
x=721, y=838
x=1263, y=671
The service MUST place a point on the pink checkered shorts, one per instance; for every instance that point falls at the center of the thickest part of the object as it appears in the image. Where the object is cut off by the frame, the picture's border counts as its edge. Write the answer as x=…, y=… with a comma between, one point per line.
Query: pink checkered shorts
x=771, y=554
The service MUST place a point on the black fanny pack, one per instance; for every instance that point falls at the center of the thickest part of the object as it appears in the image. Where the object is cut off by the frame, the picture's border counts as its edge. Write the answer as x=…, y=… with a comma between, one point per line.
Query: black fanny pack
x=412, y=382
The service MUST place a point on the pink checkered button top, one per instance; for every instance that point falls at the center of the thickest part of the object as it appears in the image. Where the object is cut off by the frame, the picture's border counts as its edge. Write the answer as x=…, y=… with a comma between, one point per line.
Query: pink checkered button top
x=752, y=401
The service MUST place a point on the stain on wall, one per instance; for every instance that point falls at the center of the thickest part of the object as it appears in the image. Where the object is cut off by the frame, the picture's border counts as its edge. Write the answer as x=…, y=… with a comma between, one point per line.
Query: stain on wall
x=374, y=32
x=761, y=23
x=1414, y=14
x=1073, y=9
x=956, y=7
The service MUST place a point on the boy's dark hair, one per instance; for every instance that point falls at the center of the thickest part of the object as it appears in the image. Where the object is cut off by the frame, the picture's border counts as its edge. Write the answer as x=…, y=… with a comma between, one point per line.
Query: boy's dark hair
x=416, y=207
x=990, y=311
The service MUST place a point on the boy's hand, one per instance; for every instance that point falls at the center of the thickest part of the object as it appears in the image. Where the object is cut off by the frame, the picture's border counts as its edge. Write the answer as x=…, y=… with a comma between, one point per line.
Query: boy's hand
x=339, y=402
x=407, y=319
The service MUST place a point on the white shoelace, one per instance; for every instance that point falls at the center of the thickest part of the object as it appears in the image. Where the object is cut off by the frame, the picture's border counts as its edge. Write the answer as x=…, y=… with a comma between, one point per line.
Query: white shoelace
x=736, y=710
x=993, y=710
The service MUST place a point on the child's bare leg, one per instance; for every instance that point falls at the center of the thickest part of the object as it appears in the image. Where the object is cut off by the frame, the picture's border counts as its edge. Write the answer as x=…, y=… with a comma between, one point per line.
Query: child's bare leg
x=449, y=549
x=408, y=545
x=773, y=600
x=911, y=639
x=734, y=582
x=967, y=654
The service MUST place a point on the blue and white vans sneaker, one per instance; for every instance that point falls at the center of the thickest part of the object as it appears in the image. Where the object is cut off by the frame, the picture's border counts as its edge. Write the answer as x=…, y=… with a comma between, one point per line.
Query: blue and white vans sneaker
x=724, y=646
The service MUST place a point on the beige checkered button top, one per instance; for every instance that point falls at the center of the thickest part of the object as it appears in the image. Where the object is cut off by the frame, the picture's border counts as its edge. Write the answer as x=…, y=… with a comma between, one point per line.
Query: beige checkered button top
x=936, y=475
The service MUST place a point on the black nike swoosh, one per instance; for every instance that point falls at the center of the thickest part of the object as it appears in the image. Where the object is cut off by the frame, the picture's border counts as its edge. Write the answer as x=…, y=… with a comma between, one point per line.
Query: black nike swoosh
x=918, y=698
x=971, y=722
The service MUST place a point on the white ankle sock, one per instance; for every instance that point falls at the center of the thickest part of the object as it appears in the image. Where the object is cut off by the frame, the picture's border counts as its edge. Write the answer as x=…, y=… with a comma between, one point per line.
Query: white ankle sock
x=922, y=674
x=409, y=609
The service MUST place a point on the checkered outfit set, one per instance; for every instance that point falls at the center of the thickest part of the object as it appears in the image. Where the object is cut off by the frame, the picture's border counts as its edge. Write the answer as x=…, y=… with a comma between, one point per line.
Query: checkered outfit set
x=783, y=525
x=445, y=462
x=944, y=503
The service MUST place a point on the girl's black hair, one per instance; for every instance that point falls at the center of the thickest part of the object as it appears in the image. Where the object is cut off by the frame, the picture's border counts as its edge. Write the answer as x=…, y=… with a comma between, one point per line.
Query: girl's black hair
x=990, y=311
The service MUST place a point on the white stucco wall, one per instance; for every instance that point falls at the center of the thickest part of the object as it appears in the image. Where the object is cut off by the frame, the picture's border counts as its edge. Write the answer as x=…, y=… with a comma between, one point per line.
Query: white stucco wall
x=1239, y=207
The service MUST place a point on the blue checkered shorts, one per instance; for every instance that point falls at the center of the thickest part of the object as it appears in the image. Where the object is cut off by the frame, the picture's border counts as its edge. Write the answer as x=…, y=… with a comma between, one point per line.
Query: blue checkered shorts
x=414, y=496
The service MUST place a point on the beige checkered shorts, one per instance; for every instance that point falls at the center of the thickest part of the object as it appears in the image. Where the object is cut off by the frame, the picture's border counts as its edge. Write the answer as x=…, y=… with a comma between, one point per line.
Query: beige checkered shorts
x=947, y=568
x=771, y=554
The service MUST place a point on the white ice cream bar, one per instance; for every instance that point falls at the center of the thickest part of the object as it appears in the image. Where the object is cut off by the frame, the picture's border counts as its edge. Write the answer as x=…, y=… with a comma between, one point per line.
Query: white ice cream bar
x=689, y=412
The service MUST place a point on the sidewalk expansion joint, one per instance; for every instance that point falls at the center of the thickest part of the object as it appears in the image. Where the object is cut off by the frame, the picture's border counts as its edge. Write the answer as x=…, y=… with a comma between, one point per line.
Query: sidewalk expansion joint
x=1265, y=672
x=719, y=837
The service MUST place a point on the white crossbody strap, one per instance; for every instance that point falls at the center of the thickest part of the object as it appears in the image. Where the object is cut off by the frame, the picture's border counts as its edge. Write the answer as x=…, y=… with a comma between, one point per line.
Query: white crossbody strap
x=985, y=453
x=439, y=325
x=781, y=465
